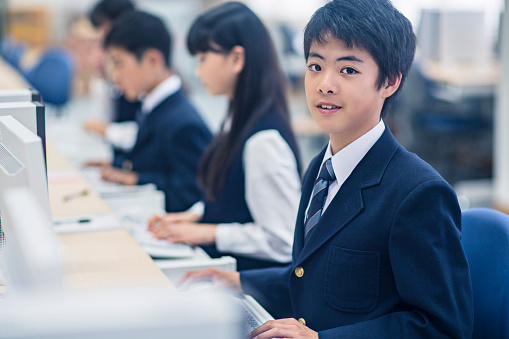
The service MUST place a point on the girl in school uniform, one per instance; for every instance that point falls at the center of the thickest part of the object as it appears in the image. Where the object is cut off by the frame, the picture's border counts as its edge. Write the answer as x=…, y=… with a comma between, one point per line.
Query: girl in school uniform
x=250, y=172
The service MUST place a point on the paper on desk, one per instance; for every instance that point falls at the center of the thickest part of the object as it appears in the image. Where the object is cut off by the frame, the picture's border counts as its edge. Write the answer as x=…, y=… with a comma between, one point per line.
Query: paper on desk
x=86, y=223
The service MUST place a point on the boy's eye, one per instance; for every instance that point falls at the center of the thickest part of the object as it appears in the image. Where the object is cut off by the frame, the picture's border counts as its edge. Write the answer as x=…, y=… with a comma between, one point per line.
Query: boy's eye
x=314, y=68
x=348, y=70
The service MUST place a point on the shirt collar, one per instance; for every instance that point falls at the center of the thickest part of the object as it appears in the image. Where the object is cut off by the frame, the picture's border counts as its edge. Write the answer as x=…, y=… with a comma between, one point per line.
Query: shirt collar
x=344, y=161
x=166, y=88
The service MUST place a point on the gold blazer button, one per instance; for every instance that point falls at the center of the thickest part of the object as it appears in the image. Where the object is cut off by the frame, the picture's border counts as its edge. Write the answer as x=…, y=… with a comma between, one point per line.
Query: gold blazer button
x=302, y=321
x=299, y=272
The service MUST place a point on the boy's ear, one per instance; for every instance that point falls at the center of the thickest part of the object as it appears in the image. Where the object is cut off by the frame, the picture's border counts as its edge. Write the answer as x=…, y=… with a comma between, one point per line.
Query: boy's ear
x=238, y=53
x=153, y=57
x=392, y=85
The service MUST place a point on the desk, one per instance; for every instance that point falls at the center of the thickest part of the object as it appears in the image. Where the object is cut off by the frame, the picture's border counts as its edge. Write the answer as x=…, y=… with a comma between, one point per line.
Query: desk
x=10, y=78
x=462, y=74
x=457, y=80
x=105, y=259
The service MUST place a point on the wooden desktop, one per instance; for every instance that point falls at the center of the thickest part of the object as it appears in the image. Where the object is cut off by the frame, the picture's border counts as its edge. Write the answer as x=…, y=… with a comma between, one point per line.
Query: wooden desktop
x=99, y=259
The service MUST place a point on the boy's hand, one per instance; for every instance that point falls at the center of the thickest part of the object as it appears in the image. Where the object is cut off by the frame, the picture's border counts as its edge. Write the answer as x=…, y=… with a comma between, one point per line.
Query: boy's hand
x=119, y=176
x=284, y=328
x=96, y=126
x=97, y=163
x=229, y=280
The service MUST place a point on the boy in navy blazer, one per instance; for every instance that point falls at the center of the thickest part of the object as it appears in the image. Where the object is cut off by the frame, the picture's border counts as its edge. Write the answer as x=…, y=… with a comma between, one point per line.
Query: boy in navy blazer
x=380, y=256
x=171, y=136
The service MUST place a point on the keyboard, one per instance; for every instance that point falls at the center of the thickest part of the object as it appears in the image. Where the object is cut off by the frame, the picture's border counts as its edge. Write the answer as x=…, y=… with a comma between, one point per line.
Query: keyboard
x=137, y=225
x=249, y=323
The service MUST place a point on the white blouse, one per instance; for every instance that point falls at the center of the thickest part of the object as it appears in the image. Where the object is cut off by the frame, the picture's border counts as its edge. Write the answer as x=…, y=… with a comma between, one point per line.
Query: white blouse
x=273, y=189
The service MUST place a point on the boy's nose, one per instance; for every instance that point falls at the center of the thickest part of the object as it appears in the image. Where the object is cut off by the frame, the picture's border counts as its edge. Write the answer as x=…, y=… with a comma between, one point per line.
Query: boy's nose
x=327, y=84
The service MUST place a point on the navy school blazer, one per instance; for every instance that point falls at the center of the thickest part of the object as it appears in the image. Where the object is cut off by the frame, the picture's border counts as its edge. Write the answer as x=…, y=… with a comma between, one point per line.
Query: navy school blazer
x=385, y=259
x=167, y=151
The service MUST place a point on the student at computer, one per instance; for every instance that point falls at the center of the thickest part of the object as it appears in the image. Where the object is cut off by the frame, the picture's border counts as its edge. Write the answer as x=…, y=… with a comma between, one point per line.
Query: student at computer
x=172, y=136
x=250, y=171
x=121, y=131
x=378, y=255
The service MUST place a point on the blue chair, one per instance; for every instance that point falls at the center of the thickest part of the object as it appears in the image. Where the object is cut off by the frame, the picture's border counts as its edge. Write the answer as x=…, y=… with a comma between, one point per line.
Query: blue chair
x=12, y=51
x=485, y=239
x=53, y=76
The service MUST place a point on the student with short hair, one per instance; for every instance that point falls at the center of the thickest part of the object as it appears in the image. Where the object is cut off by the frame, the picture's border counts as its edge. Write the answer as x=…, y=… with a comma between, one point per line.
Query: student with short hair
x=377, y=250
x=172, y=136
x=250, y=171
x=121, y=131
x=105, y=12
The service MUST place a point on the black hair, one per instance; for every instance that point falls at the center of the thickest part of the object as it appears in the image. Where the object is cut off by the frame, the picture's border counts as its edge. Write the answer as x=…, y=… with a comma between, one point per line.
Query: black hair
x=373, y=25
x=139, y=31
x=106, y=11
x=260, y=87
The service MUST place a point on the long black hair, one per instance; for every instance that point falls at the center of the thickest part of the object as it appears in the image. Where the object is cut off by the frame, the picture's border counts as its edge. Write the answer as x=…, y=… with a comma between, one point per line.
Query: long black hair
x=260, y=87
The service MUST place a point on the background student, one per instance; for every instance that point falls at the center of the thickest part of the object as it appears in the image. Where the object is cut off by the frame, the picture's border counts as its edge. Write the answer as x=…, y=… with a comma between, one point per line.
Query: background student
x=378, y=253
x=172, y=135
x=122, y=130
x=250, y=171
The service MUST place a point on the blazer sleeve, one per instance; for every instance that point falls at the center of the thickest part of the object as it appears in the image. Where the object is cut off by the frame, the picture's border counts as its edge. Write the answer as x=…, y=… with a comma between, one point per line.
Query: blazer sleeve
x=270, y=287
x=430, y=271
x=183, y=150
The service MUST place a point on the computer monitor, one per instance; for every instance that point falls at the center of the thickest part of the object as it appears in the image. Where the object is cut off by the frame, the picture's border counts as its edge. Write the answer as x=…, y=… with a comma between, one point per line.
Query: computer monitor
x=31, y=259
x=30, y=114
x=453, y=36
x=22, y=161
x=121, y=314
x=17, y=95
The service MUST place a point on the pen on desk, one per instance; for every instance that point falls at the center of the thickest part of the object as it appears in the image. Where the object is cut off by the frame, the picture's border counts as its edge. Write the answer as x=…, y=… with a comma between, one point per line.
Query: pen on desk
x=71, y=221
x=72, y=196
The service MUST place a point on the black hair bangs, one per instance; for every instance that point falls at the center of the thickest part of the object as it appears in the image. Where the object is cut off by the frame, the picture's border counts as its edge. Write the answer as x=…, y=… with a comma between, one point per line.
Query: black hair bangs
x=199, y=39
x=327, y=23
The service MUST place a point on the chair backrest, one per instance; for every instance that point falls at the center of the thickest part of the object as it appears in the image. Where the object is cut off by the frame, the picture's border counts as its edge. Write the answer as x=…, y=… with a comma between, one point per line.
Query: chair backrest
x=485, y=239
x=53, y=76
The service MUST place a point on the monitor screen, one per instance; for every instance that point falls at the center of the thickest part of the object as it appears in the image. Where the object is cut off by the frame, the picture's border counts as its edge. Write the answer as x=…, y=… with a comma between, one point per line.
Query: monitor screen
x=22, y=161
x=30, y=114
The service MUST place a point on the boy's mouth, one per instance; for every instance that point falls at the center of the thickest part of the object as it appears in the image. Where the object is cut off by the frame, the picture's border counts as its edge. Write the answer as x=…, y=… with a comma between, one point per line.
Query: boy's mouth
x=327, y=108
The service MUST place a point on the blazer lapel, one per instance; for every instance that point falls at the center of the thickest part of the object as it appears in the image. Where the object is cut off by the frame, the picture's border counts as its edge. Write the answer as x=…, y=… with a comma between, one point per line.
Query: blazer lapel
x=146, y=131
x=307, y=188
x=347, y=203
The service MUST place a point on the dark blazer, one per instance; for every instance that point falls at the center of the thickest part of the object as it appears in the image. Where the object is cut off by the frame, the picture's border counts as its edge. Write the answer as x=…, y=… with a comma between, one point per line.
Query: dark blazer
x=168, y=148
x=385, y=259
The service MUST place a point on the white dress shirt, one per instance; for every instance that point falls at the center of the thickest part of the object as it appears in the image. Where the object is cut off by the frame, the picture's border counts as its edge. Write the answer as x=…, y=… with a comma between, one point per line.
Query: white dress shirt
x=122, y=135
x=344, y=161
x=272, y=195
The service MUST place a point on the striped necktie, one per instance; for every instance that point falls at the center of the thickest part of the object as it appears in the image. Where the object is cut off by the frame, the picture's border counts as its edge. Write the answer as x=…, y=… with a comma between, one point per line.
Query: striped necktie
x=140, y=118
x=319, y=196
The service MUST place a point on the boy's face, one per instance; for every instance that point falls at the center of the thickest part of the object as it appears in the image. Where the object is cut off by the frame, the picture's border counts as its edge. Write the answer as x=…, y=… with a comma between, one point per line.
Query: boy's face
x=129, y=73
x=341, y=91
